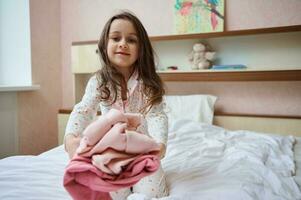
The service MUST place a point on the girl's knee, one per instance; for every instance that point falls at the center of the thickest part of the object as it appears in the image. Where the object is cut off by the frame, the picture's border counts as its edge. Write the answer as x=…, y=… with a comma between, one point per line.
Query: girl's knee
x=121, y=194
x=152, y=186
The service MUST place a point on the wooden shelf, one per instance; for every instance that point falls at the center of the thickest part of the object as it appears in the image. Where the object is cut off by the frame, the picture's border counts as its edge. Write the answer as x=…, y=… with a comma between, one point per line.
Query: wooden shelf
x=282, y=29
x=238, y=75
x=65, y=111
x=241, y=75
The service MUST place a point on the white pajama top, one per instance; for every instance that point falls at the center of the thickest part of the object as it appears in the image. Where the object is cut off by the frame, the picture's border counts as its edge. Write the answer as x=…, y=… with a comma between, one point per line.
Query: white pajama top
x=154, y=125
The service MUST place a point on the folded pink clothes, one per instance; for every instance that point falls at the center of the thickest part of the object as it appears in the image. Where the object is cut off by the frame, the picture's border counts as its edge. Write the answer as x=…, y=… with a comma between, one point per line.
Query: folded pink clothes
x=96, y=130
x=85, y=181
x=111, y=156
x=119, y=139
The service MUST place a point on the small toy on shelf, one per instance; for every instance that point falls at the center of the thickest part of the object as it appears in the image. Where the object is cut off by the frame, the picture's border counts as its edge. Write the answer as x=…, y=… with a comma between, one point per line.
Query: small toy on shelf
x=200, y=57
x=172, y=68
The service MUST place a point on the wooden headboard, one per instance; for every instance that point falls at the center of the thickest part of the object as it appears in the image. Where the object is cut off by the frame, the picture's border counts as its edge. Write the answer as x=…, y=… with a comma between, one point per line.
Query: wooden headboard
x=264, y=124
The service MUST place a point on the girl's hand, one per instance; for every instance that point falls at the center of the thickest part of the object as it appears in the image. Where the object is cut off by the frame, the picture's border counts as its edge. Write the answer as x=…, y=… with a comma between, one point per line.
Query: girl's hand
x=162, y=150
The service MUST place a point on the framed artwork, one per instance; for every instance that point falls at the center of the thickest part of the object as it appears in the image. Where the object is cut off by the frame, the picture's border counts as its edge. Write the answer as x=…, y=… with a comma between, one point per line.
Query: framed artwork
x=198, y=16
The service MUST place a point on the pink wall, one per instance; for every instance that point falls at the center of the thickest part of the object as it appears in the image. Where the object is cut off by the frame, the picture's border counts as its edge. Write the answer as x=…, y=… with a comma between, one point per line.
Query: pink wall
x=82, y=20
x=38, y=109
x=250, y=98
x=56, y=24
x=250, y=14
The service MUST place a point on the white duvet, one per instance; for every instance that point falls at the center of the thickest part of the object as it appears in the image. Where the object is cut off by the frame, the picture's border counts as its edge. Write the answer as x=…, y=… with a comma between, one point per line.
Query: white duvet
x=202, y=162
x=208, y=162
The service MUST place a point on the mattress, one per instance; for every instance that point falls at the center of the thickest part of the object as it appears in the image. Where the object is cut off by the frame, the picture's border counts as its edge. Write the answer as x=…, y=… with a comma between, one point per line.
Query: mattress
x=202, y=162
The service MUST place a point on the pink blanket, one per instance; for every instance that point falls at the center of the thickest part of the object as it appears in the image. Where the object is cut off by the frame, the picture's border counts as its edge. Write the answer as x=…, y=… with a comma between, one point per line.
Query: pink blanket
x=110, y=157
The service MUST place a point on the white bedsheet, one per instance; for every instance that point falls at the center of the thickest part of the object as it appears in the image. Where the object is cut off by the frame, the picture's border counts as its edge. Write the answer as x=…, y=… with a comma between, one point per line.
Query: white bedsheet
x=202, y=162
x=208, y=162
x=34, y=177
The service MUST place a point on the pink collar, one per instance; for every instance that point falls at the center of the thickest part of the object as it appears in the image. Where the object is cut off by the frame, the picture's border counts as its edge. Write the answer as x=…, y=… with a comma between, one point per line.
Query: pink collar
x=132, y=82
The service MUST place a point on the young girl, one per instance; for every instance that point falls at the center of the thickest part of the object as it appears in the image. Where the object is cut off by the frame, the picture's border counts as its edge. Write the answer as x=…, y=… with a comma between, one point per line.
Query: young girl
x=127, y=81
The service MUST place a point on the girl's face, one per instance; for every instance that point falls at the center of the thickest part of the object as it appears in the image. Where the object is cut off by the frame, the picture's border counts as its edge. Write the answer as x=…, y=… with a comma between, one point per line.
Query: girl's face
x=122, y=47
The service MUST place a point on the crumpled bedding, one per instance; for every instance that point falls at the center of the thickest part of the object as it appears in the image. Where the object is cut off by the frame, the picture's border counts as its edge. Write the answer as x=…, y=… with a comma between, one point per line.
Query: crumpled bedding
x=202, y=162
x=209, y=162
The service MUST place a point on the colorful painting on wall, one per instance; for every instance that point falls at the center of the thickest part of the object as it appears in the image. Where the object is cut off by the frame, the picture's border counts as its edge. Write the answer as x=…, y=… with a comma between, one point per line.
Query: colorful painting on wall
x=198, y=16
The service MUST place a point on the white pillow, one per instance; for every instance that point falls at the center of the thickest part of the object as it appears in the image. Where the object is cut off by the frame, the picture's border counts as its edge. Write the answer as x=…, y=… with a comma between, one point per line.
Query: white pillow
x=199, y=108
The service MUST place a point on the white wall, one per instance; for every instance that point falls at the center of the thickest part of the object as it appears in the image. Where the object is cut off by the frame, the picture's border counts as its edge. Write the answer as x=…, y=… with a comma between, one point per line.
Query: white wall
x=15, y=51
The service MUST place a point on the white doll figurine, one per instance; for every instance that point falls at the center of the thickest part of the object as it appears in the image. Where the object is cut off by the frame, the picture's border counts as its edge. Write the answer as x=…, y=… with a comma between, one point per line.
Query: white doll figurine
x=199, y=57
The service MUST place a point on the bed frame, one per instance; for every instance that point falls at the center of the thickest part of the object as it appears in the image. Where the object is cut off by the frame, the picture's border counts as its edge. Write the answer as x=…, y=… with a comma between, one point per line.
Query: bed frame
x=265, y=124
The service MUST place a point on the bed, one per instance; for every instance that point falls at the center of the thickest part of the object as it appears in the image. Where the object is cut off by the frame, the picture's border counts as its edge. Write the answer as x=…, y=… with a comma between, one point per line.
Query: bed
x=203, y=161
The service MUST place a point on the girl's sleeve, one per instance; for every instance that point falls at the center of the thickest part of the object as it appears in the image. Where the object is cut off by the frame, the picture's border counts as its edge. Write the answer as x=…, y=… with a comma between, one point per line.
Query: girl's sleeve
x=85, y=111
x=157, y=123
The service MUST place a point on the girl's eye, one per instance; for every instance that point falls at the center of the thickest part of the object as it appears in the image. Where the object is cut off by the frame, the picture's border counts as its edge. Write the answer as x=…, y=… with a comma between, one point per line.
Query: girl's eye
x=115, y=39
x=132, y=40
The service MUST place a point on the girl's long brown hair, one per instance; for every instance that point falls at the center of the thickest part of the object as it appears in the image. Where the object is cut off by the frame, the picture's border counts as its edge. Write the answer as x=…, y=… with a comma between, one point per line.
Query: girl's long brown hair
x=108, y=75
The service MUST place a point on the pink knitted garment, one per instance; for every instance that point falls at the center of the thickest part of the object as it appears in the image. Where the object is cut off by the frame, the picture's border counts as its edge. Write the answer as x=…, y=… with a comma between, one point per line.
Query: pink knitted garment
x=110, y=157
x=85, y=181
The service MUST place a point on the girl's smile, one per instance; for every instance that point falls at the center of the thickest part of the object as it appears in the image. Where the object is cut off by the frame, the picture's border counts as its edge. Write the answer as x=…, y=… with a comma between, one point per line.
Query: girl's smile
x=123, y=53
